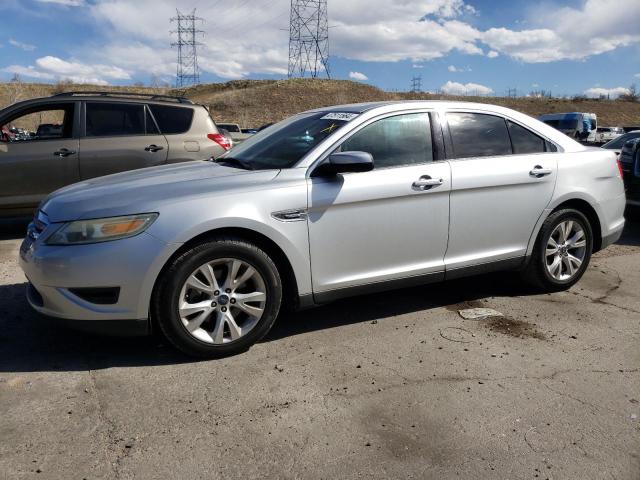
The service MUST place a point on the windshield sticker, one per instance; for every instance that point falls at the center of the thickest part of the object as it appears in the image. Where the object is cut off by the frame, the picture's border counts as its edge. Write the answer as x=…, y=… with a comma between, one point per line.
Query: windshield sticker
x=330, y=128
x=339, y=116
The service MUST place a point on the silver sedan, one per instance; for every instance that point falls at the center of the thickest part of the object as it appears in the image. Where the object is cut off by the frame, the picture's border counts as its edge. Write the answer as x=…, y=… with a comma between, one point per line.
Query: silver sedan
x=329, y=203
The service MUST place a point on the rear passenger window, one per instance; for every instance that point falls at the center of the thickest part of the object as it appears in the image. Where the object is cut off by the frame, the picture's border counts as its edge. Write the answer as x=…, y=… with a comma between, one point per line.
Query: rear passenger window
x=523, y=140
x=172, y=120
x=394, y=141
x=478, y=135
x=111, y=119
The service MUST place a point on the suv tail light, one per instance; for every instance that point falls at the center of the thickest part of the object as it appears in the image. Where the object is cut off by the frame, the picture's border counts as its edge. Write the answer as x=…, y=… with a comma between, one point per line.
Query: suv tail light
x=220, y=140
x=619, y=166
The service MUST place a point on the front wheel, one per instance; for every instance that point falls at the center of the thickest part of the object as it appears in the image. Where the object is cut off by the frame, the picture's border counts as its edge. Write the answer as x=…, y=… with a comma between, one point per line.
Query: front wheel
x=218, y=298
x=562, y=251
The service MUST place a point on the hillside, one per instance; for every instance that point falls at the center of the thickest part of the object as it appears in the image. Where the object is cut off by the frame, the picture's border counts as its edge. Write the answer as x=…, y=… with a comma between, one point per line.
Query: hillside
x=255, y=102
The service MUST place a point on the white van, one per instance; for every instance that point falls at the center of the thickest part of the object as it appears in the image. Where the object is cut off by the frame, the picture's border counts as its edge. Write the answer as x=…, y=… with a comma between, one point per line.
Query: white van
x=570, y=123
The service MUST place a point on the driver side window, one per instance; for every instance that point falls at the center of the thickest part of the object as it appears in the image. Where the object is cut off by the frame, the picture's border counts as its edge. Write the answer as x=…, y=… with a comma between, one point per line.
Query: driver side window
x=49, y=122
x=395, y=141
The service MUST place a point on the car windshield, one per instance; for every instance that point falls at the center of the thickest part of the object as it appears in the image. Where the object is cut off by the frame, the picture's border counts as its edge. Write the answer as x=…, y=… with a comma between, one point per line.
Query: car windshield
x=284, y=144
x=617, y=143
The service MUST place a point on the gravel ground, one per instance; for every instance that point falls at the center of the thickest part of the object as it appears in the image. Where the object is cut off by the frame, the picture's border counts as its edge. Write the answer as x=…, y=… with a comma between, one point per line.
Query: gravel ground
x=383, y=386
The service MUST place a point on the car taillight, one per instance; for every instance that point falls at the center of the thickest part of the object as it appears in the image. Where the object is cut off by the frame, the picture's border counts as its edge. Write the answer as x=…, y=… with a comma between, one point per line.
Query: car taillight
x=620, y=167
x=220, y=140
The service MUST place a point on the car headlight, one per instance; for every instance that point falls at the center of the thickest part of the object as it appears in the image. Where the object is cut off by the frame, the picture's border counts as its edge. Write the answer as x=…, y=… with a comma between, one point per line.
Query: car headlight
x=101, y=229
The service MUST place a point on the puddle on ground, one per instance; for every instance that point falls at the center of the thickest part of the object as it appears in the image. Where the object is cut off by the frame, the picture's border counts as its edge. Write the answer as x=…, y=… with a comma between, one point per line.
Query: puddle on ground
x=513, y=328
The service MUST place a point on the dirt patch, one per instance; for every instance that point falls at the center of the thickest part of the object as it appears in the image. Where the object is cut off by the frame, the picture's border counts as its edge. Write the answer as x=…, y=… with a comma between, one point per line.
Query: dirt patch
x=513, y=328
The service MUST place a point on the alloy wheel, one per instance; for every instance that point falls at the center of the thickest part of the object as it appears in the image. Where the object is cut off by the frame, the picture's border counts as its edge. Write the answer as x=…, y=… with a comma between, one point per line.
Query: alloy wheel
x=222, y=300
x=566, y=250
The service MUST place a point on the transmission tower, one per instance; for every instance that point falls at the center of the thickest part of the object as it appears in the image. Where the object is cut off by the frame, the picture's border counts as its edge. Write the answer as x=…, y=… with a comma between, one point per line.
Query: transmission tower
x=308, y=38
x=416, y=84
x=187, y=72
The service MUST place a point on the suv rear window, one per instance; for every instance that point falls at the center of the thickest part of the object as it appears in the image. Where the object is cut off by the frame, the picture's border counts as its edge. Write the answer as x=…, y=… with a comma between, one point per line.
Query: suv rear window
x=172, y=120
x=113, y=119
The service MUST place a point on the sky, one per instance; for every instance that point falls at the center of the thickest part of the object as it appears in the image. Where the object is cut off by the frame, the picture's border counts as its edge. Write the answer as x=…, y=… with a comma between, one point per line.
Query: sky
x=485, y=47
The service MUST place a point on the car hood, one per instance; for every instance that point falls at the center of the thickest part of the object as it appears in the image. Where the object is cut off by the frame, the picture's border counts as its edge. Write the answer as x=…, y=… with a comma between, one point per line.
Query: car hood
x=148, y=189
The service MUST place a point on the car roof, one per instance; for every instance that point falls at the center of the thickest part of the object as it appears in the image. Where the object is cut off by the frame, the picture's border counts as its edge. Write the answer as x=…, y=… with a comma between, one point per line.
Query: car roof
x=371, y=109
x=360, y=108
x=98, y=97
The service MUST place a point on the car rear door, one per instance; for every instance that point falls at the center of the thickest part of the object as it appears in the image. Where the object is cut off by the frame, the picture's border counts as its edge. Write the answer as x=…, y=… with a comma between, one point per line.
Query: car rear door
x=119, y=136
x=391, y=223
x=503, y=176
x=36, y=166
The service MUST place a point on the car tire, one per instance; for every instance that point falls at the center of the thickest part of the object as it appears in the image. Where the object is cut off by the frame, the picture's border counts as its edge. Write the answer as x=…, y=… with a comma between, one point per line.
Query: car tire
x=180, y=298
x=542, y=270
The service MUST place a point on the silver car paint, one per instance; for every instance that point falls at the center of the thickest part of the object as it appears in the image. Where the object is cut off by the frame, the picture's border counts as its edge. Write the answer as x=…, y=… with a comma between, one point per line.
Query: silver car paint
x=397, y=231
x=361, y=228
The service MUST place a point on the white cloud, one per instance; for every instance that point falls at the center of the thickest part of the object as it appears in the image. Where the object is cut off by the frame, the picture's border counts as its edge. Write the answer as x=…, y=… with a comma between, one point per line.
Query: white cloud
x=637, y=75
x=492, y=54
x=415, y=65
x=454, y=69
x=565, y=33
x=50, y=68
x=24, y=46
x=30, y=72
x=455, y=88
x=358, y=76
x=597, y=92
x=66, y=3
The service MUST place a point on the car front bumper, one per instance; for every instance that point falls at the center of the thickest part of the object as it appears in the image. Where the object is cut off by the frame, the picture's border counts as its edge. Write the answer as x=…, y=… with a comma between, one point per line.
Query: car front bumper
x=60, y=276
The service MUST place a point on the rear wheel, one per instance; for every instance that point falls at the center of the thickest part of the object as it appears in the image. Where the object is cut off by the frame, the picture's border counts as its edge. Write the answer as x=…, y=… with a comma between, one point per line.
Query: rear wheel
x=218, y=298
x=562, y=251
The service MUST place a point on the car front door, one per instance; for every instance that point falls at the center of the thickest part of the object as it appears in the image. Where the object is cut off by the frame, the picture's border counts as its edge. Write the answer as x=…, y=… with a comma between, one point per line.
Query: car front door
x=503, y=177
x=44, y=159
x=119, y=136
x=391, y=223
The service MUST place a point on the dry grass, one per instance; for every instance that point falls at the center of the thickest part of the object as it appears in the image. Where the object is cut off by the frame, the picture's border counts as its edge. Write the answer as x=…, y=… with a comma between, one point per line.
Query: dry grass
x=252, y=103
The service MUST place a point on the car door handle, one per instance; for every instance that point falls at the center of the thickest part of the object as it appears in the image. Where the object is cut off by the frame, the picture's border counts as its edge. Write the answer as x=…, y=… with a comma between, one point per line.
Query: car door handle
x=64, y=152
x=539, y=172
x=426, y=182
x=153, y=148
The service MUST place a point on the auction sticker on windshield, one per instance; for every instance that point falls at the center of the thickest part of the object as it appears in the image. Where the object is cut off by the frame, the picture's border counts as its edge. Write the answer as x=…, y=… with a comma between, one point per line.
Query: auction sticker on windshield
x=339, y=116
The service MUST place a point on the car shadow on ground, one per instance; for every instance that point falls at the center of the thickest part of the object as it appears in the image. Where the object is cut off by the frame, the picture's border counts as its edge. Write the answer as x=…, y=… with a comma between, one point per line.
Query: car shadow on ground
x=631, y=233
x=30, y=342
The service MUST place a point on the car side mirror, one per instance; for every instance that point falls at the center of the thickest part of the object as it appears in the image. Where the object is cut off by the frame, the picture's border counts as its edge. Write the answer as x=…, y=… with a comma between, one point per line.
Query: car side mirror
x=344, y=162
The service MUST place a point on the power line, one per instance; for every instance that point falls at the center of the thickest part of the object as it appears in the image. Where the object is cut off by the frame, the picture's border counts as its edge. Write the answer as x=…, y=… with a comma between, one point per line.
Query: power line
x=308, y=38
x=244, y=24
x=187, y=71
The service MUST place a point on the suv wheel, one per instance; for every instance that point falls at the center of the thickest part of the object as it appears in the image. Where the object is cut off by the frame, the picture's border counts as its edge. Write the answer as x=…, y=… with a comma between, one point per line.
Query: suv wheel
x=218, y=298
x=562, y=251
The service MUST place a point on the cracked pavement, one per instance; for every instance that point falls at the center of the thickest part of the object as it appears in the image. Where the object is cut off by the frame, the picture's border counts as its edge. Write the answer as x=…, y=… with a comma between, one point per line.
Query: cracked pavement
x=381, y=386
